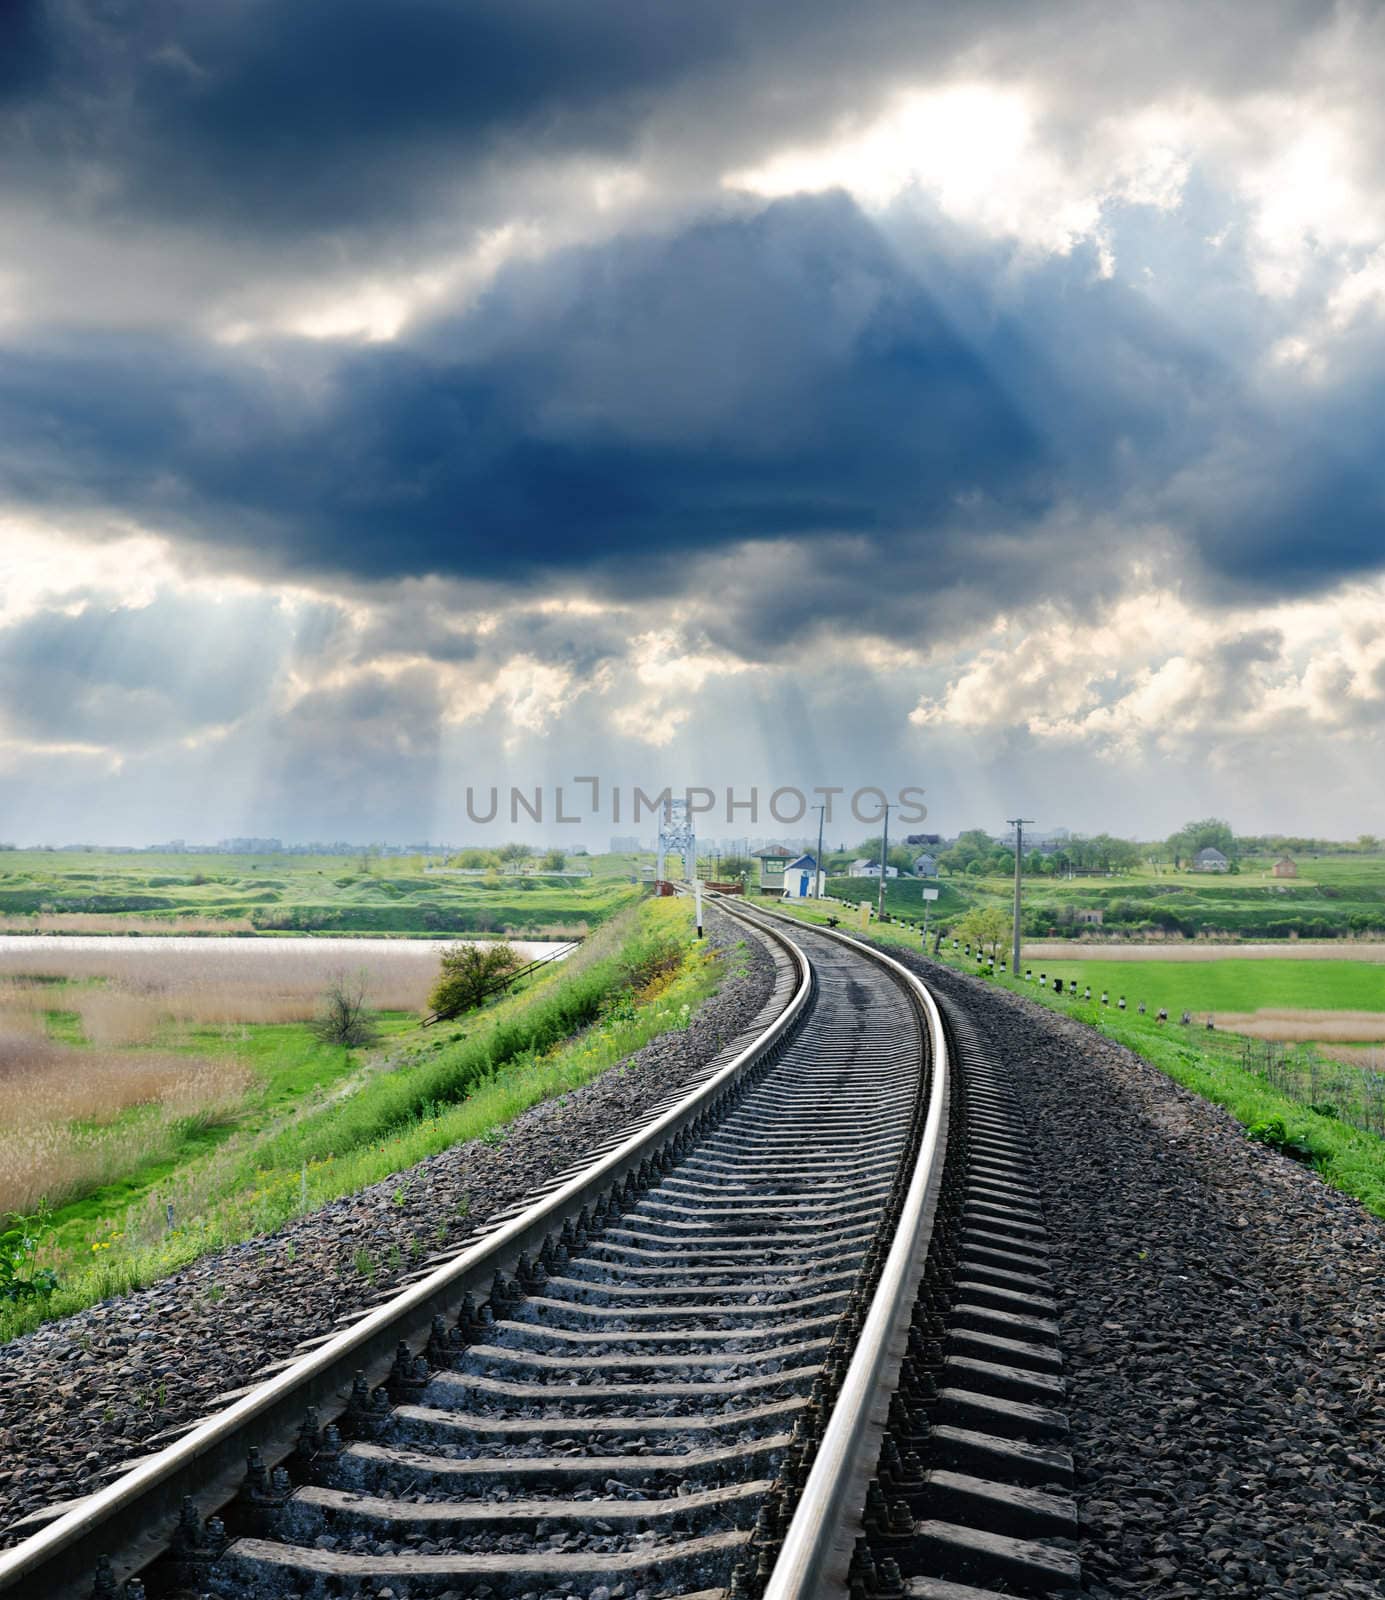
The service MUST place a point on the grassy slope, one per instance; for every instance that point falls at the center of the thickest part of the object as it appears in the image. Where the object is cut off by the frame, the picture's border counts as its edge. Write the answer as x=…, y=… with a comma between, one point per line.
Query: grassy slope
x=305, y=893
x=641, y=976
x=1348, y=1159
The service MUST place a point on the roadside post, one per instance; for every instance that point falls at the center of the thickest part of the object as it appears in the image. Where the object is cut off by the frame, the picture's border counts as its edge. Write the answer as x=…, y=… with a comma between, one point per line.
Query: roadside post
x=929, y=895
x=697, y=899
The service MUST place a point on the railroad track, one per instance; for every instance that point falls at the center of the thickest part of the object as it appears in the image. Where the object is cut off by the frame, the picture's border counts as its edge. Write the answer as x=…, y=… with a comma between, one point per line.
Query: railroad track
x=786, y=1338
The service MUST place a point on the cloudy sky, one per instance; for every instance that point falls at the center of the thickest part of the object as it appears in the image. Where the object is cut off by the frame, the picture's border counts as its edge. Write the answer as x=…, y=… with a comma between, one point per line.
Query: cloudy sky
x=396, y=396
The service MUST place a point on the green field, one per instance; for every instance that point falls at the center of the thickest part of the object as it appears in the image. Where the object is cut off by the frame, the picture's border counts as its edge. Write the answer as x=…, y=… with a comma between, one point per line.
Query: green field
x=1229, y=985
x=1333, y=897
x=93, y=891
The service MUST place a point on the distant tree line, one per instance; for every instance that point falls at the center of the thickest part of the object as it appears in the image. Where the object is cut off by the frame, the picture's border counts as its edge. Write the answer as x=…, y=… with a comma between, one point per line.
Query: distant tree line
x=508, y=858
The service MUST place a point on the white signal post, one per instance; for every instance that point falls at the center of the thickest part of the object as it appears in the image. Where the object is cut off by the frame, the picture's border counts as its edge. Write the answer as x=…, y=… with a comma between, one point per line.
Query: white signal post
x=697, y=899
x=929, y=896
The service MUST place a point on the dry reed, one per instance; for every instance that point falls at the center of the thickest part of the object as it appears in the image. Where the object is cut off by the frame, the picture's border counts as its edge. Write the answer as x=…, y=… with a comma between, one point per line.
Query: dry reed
x=63, y=1128
x=1204, y=950
x=1368, y=1058
x=1302, y=1026
x=121, y=995
x=112, y=1017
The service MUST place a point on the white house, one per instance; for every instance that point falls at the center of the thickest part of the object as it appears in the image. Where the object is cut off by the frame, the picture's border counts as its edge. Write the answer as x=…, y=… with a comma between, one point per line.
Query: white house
x=798, y=878
x=926, y=866
x=870, y=869
x=1210, y=860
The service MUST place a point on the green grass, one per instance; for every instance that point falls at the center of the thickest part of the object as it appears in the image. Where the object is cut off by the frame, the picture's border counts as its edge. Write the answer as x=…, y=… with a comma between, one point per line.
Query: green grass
x=1230, y=985
x=1335, y=896
x=328, y=1127
x=904, y=896
x=304, y=894
x=1347, y=1158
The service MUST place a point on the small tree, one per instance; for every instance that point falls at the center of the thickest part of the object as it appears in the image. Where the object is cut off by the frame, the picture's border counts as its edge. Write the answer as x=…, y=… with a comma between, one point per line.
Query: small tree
x=468, y=974
x=475, y=860
x=985, y=927
x=554, y=861
x=344, y=1017
x=514, y=853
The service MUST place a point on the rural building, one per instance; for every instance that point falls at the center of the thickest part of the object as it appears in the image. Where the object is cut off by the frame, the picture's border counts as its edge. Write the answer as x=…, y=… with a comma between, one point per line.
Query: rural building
x=1210, y=860
x=926, y=866
x=798, y=878
x=1088, y=918
x=772, y=864
x=1285, y=867
x=870, y=869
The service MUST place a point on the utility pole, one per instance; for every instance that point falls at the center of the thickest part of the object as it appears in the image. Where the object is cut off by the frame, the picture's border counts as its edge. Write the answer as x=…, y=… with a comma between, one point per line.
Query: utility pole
x=1017, y=823
x=884, y=863
x=818, y=877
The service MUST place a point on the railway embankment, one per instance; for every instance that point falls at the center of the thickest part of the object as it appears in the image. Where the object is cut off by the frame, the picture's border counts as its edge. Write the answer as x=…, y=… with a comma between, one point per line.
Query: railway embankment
x=1223, y=1316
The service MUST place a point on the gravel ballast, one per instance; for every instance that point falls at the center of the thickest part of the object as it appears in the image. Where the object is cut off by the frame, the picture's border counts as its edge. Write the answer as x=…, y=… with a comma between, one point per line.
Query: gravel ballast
x=86, y=1393
x=1223, y=1314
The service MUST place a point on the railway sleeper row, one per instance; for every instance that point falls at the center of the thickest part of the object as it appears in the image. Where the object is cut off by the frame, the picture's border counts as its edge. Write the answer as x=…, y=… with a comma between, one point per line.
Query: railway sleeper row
x=972, y=1498
x=629, y=1411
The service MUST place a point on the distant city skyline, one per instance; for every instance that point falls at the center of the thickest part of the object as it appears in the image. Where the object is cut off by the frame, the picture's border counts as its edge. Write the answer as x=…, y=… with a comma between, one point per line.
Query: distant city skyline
x=725, y=844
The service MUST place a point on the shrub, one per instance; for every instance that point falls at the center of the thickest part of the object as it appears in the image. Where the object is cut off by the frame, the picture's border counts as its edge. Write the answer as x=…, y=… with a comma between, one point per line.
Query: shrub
x=1276, y=1133
x=20, y=1276
x=345, y=1018
x=470, y=972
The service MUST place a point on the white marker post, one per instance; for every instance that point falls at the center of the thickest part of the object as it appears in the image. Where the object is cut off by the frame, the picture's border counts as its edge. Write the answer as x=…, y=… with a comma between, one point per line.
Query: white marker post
x=929, y=895
x=697, y=897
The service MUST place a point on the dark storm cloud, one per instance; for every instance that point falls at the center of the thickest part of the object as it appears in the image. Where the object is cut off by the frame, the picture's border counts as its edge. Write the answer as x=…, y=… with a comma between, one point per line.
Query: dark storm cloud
x=286, y=117
x=1293, y=493
x=26, y=49
x=294, y=116
x=775, y=375
x=614, y=414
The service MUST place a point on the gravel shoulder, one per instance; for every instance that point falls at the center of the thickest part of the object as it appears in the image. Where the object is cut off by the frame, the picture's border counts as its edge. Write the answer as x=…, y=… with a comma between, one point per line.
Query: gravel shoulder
x=85, y=1393
x=1223, y=1314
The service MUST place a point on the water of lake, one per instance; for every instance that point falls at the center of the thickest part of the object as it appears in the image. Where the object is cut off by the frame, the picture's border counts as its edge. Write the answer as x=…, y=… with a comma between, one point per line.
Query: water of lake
x=348, y=949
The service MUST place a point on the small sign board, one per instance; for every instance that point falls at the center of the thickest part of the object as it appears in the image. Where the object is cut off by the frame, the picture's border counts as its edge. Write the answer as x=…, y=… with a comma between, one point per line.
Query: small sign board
x=930, y=894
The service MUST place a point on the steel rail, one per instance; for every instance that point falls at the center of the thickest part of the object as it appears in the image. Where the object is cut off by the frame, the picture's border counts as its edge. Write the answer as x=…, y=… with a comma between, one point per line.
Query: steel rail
x=131, y=1521
x=814, y=1557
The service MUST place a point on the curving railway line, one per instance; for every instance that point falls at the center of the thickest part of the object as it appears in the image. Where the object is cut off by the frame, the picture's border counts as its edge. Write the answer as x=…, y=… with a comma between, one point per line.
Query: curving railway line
x=789, y=1337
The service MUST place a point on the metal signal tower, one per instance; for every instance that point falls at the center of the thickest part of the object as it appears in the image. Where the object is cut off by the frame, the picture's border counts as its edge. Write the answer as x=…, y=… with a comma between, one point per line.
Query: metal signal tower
x=676, y=836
